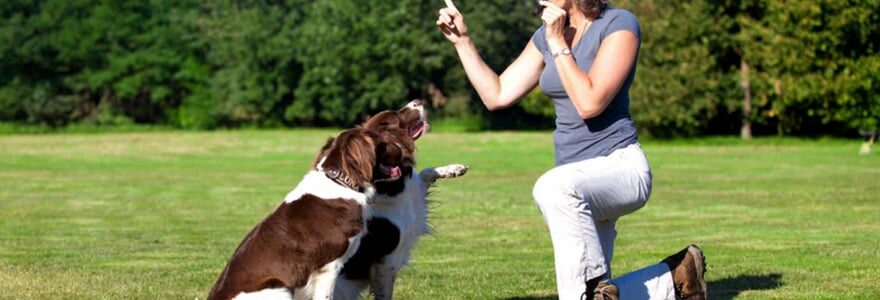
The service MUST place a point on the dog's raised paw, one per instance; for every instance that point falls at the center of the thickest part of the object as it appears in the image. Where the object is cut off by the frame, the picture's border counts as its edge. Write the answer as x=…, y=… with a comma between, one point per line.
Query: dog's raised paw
x=451, y=171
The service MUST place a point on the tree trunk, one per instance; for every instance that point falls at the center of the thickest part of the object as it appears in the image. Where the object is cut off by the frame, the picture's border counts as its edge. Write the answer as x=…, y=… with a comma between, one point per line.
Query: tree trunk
x=780, y=130
x=746, y=129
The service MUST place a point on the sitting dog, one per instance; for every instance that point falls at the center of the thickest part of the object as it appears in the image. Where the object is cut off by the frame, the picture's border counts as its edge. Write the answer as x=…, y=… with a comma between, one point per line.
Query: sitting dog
x=298, y=251
x=399, y=213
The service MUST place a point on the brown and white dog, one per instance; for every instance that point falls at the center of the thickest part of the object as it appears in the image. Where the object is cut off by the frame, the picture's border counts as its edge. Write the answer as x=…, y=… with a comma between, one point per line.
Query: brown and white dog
x=399, y=212
x=298, y=251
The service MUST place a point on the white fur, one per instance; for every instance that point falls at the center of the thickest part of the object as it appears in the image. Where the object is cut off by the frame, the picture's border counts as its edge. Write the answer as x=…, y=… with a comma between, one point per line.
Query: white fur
x=408, y=211
x=423, y=115
x=276, y=293
x=321, y=283
x=317, y=183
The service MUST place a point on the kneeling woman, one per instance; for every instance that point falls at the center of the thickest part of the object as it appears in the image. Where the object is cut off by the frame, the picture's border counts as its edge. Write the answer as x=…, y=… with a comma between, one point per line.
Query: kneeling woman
x=584, y=58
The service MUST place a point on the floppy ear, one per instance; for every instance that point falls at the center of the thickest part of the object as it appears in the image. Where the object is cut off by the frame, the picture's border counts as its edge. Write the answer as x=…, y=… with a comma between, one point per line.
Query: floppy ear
x=364, y=119
x=354, y=154
x=323, y=152
x=359, y=157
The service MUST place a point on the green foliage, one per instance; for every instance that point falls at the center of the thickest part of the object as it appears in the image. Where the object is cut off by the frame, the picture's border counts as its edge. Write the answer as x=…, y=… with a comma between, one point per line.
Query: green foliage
x=250, y=69
x=360, y=57
x=460, y=123
x=536, y=103
x=814, y=63
x=64, y=59
x=227, y=63
x=679, y=89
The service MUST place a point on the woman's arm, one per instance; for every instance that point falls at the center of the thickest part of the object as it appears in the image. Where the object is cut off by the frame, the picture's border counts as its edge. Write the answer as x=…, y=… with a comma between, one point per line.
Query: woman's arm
x=592, y=92
x=499, y=92
x=496, y=91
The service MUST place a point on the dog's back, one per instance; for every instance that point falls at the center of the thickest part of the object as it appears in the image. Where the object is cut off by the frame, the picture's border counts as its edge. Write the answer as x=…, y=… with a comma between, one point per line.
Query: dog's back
x=292, y=244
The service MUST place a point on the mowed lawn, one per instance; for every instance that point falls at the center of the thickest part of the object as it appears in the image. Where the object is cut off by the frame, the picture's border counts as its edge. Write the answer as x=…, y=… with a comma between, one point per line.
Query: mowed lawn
x=156, y=215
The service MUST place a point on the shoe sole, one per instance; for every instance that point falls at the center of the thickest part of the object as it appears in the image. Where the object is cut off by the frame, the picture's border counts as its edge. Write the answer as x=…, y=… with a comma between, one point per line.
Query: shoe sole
x=700, y=264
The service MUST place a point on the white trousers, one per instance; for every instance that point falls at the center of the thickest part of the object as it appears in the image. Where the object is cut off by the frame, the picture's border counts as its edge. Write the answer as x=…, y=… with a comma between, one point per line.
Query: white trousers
x=581, y=202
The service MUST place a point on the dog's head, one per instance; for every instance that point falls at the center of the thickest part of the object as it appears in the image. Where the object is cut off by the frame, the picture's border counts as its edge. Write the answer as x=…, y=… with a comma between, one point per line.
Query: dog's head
x=396, y=156
x=398, y=130
x=394, y=133
x=411, y=120
x=351, y=158
x=360, y=158
x=401, y=128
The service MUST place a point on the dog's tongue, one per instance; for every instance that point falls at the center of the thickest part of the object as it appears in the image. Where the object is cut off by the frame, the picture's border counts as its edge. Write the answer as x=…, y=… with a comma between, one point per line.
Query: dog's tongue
x=392, y=172
x=418, y=130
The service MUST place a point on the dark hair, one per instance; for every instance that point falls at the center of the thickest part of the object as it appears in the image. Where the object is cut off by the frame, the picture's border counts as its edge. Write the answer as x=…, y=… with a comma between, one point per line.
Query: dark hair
x=592, y=8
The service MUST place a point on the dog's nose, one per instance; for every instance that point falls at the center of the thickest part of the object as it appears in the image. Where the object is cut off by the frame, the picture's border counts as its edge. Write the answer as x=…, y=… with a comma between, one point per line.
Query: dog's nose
x=415, y=102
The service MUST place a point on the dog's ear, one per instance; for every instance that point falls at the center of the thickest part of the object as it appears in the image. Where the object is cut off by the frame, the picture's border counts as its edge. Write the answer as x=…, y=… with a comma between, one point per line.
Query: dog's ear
x=364, y=118
x=400, y=139
x=364, y=122
x=323, y=152
x=354, y=154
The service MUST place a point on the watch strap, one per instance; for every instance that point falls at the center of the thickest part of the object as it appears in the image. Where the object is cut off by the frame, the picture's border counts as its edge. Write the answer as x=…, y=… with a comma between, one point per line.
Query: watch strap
x=563, y=51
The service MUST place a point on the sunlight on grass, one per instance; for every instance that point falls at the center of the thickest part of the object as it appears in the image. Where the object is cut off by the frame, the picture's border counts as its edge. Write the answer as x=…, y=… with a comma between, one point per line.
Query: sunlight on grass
x=157, y=214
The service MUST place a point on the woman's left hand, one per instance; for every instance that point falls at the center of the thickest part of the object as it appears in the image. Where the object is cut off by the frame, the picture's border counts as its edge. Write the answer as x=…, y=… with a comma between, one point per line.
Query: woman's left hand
x=554, y=25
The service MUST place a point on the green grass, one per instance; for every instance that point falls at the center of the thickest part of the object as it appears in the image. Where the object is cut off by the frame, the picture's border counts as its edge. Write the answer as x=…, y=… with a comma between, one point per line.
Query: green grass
x=155, y=215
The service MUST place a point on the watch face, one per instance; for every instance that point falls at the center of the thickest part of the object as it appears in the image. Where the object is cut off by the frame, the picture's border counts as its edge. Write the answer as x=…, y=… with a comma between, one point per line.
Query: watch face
x=564, y=51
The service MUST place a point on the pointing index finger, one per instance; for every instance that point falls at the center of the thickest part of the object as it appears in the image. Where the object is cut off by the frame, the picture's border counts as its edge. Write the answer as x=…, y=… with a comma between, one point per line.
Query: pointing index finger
x=451, y=5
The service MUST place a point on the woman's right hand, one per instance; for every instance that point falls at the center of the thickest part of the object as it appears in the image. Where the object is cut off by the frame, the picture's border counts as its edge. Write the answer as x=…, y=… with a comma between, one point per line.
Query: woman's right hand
x=451, y=23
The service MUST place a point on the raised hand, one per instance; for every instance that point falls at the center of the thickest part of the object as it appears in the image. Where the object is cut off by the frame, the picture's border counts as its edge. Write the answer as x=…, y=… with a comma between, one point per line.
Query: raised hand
x=451, y=23
x=554, y=24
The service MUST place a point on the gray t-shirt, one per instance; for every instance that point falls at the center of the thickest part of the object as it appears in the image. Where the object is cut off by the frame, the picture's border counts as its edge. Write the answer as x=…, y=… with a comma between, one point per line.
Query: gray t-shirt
x=576, y=139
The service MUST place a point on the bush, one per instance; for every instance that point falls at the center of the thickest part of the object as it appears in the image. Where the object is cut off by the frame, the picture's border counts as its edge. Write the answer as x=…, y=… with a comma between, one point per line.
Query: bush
x=228, y=63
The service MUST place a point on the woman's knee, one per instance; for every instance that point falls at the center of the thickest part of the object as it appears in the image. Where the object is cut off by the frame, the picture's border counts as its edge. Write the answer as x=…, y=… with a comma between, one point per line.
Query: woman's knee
x=550, y=187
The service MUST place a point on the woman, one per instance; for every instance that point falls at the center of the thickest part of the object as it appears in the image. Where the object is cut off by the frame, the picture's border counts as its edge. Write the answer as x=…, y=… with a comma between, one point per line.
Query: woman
x=584, y=58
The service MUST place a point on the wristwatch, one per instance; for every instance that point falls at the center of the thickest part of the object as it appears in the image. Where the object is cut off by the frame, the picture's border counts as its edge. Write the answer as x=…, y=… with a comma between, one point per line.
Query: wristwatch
x=564, y=51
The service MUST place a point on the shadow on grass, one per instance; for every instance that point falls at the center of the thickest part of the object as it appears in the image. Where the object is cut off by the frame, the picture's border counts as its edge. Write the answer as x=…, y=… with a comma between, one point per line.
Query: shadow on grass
x=728, y=288
x=721, y=289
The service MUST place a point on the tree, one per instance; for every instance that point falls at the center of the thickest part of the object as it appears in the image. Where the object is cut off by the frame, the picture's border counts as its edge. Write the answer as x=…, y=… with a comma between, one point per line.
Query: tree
x=90, y=60
x=705, y=67
x=248, y=64
x=813, y=62
x=679, y=88
x=360, y=57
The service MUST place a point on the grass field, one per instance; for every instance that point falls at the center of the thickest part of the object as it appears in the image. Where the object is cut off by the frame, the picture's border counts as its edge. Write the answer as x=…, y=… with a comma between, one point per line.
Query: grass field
x=156, y=215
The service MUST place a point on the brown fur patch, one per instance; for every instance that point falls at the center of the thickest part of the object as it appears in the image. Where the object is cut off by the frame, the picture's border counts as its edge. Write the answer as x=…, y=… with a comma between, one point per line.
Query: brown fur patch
x=323, y=152
x=290, y=244
x=402, y=119
x=394, y=127
x=353, y=153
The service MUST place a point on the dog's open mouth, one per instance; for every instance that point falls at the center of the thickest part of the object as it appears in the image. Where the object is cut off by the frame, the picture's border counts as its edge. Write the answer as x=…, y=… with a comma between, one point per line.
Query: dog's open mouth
x=393, y=172
x=420, y=128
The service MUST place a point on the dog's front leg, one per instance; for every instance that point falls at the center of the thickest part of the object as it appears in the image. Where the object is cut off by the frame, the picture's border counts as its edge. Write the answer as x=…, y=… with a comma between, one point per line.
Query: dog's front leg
x=430, y=175
x=382, y=281
x=324, y=283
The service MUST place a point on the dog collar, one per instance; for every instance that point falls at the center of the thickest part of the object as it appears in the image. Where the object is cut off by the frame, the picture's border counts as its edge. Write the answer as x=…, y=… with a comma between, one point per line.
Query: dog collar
x=340, y=178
